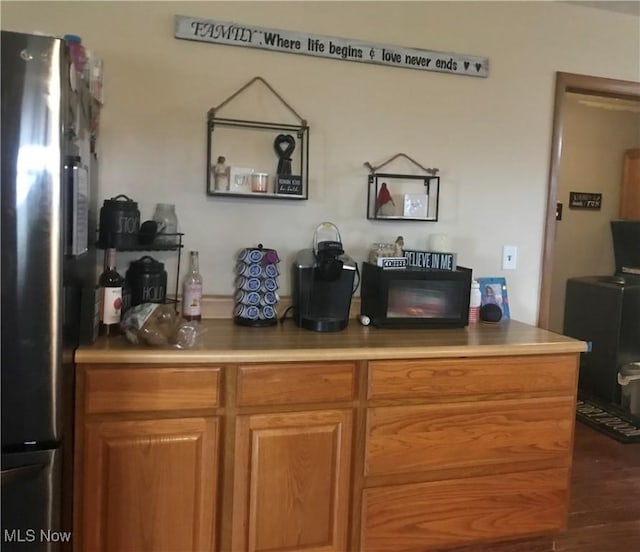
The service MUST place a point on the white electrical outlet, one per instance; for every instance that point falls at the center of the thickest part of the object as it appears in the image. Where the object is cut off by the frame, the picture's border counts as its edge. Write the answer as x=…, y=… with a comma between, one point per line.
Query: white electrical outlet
x=509, y=257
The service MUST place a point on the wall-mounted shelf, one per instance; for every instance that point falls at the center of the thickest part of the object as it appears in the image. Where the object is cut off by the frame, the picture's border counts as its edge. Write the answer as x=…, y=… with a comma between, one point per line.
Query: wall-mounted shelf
x=157, y=246
x=403, y=196
x=412, y=197
x=257, y=159
x=251, y=143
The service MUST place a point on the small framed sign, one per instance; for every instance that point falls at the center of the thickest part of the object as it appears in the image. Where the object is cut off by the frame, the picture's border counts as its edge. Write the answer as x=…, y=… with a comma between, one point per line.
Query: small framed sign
x=430, y=260
x=392, y=262
x=585, y=200
x=289, y=185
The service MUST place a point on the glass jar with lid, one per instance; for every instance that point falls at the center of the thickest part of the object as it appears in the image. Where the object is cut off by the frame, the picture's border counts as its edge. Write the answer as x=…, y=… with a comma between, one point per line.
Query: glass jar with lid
x=165, y=216
x=381, y=250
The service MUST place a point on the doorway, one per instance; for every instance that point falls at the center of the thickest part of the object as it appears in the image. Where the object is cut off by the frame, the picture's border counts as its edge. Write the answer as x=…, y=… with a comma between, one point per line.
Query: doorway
x=567, y=84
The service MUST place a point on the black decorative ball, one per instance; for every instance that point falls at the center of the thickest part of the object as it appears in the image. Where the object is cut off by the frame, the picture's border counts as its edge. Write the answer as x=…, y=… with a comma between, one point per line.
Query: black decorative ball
x=490, y=313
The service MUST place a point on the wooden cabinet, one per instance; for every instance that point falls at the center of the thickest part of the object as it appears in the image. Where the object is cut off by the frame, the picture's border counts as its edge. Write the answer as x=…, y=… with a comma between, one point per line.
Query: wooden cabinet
x=476, y=450
x=147, y=456
x=334, y=456
x=292, y=464
x=292, y=481
x=153, y=441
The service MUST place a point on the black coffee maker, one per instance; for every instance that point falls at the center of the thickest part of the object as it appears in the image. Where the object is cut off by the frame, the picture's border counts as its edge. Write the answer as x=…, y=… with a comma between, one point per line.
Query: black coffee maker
x=323, y=282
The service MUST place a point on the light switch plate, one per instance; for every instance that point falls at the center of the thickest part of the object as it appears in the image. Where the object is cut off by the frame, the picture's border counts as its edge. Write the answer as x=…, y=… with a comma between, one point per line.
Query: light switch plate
x=509, y=257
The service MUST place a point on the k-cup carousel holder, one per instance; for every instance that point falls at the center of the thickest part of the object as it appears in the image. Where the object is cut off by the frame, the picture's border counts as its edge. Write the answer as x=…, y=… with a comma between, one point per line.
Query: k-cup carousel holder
x=256, y=284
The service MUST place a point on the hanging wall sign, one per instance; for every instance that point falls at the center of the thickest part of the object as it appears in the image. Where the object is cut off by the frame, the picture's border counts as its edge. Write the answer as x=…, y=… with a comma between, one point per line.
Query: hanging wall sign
x=585, y=200
x=345, y=49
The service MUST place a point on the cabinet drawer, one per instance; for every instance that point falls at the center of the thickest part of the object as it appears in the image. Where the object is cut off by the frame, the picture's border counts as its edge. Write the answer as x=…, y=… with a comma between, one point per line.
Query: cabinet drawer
x=311, y=382
x=441, y=514
x=405, y=439
x=138, y=389
x=439, y=378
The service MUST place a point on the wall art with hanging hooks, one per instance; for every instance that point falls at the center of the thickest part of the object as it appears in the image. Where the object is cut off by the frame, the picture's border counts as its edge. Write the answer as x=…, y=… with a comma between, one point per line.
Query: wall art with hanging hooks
x=257, y=159
x=392, y=196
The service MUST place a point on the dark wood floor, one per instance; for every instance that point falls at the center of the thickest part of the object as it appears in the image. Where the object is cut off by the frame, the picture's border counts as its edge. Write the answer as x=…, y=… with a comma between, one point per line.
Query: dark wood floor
x=604, y=513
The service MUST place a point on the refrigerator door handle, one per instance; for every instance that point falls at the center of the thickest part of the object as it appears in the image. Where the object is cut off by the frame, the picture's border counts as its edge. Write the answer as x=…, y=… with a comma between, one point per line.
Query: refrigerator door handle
x=23, y=472
x=76, y=237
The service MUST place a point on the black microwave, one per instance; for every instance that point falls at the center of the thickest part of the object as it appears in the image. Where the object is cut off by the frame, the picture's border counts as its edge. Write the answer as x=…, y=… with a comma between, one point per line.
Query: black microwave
x=415, y=298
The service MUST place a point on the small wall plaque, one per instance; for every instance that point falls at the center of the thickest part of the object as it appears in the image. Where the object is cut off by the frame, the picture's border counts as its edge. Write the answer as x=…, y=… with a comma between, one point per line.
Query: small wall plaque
x=392, y=262
x=289, y=185
x=585, y=200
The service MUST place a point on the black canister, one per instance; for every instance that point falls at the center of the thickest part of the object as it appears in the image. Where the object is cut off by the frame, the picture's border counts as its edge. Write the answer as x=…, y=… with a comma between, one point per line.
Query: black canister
x=148, y=280
x=119, y=223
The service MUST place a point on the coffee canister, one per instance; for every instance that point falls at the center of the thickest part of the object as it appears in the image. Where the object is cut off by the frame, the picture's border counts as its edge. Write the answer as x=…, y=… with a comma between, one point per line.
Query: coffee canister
x=148, y=280
x=119, y=223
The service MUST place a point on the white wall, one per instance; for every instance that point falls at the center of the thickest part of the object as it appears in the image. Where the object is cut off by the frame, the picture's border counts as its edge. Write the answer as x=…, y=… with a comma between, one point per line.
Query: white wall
x=593, y=146
x=490, y=137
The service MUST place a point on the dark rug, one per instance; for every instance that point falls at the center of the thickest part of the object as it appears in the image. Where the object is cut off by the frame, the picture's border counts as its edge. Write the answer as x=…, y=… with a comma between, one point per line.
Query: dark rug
x=608, y=419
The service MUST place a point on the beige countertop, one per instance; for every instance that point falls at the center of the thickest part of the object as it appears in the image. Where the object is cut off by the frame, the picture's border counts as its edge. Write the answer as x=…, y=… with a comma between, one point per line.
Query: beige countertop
x=222, y=341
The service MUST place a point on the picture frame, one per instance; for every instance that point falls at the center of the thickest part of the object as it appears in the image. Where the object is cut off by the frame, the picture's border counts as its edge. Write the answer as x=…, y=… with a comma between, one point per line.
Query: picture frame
x=416, y=206
x=494, y=290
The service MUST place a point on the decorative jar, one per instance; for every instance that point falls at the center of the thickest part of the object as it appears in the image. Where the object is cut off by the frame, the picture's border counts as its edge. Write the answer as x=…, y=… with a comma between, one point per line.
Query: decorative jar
x=165, y=216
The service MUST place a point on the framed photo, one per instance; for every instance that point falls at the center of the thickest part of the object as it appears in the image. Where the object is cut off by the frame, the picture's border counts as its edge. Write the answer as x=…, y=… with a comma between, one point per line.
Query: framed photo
x=416, y=206
x=494, y=290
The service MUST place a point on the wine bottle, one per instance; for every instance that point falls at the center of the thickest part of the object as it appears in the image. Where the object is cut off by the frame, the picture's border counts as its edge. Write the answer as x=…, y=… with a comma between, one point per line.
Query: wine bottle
x=110, y=295
x=192, y=290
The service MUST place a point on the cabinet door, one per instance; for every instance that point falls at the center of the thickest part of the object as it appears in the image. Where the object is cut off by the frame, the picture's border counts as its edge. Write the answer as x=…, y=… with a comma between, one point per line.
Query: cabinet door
x=291, y=482
x=150, y=485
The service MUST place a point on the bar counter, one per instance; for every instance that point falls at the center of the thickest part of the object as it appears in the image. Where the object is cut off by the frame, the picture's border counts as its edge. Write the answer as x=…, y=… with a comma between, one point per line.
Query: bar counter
x=224, y=341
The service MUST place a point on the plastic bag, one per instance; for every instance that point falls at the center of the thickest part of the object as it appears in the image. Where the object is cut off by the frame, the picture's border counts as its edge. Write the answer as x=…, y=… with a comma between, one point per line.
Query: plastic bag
x=159, y=326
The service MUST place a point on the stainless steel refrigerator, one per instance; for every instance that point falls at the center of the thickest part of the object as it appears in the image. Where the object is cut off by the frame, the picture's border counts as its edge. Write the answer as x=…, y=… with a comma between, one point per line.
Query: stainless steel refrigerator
x=48, y=270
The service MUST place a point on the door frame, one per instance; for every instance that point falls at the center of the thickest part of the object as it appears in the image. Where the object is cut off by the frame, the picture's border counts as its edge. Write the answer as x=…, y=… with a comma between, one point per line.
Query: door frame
x=583, y=84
